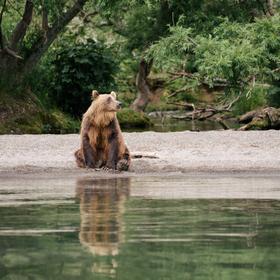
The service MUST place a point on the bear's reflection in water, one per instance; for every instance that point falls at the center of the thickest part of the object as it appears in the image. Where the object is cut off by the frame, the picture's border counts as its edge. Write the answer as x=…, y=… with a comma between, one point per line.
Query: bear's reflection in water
x=101, y=209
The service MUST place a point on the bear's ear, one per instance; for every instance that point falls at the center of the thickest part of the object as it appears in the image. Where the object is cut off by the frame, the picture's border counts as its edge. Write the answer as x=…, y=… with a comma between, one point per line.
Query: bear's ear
x=114, y=94
x=94, y=94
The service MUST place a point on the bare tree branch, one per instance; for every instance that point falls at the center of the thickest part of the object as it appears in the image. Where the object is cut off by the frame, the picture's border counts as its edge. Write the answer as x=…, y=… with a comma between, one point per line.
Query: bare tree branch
x=41, y=46
x=22, y=26
x=12, y=53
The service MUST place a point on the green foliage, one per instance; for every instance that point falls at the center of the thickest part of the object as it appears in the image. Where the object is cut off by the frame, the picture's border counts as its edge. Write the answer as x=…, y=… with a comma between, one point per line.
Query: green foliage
x=57, y=122
x=229, y=41
x=54, y=122
x=14, y=11
x=145, y=23
x=163, y=53
x=27, y=115
x=216, y=58
x=77, y=69
x=274, y=95
x=31, y=38
x=129, y=118
x=125, y=80
x=242, y=56
x=256, y=99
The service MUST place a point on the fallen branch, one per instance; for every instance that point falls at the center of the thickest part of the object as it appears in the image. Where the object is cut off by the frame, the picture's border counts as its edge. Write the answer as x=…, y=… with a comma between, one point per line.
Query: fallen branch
x=143, y=156
x=208, y=108
x=261, y=119
x=198, y=113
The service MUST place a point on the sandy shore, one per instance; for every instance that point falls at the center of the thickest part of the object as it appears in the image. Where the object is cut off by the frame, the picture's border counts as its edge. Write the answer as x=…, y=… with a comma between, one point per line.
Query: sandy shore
x=214, y=151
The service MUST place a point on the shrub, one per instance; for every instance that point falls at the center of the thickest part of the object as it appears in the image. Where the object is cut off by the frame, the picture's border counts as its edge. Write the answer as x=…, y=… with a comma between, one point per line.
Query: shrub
x=274, y=95
x=129, y=118
x=77, y=70
x=250, y=102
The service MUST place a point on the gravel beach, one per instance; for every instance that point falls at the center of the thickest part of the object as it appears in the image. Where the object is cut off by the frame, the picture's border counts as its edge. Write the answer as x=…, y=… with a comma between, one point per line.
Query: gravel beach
x=213, y=151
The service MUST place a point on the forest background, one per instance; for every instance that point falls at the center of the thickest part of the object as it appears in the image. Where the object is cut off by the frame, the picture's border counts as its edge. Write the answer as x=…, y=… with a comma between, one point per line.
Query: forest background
x=159, y=55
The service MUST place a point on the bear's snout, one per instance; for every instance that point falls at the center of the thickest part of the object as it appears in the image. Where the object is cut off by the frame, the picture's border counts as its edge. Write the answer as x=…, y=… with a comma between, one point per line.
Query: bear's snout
x=119, y=105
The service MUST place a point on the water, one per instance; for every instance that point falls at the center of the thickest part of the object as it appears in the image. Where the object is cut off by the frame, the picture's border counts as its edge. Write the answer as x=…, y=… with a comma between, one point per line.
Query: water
x=178, y=227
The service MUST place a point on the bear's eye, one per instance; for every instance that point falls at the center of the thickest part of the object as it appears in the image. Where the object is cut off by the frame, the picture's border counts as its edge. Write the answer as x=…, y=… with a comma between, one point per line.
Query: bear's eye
x=109, y=99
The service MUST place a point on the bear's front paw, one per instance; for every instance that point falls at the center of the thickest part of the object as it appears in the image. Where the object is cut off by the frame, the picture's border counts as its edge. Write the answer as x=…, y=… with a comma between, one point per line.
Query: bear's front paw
x=123, y=165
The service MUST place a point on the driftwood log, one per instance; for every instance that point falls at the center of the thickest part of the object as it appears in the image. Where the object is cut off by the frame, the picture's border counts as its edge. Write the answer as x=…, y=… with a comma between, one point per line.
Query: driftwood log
x=198, y=113
x=216, y=113
x=262, y=119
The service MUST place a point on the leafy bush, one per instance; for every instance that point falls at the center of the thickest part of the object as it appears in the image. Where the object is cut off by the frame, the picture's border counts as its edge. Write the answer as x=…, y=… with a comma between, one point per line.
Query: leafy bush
x=255, y=100
x=274, y=95
x=129, y=118
x=242, y=57
x=57, y=122
x=77, y=70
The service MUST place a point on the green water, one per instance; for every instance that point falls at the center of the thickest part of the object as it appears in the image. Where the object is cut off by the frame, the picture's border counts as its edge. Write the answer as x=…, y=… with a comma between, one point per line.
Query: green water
x=140, y=229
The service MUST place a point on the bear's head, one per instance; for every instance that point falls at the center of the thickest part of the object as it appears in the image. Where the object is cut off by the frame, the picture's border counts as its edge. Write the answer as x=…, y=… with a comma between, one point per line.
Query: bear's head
x=103, y=108
x=106, y=102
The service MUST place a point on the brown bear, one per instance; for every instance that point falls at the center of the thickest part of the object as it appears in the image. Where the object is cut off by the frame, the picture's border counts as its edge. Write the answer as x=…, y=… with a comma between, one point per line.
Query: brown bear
x=102, y=143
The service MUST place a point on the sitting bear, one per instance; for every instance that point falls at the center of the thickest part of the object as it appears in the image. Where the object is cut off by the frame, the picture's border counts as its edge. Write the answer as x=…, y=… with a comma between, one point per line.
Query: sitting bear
x=102, y=143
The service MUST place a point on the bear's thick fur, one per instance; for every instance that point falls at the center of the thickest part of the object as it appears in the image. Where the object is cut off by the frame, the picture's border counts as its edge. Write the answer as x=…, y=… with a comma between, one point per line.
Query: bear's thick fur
x=102, y=143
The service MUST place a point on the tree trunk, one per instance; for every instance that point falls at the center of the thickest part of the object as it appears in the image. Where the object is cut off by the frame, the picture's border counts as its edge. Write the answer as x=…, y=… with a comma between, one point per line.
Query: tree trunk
x=40, y=48
x=9, y=69
x=13, y=68
x=270, y=7
x=22, y=26
x=144, y=92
